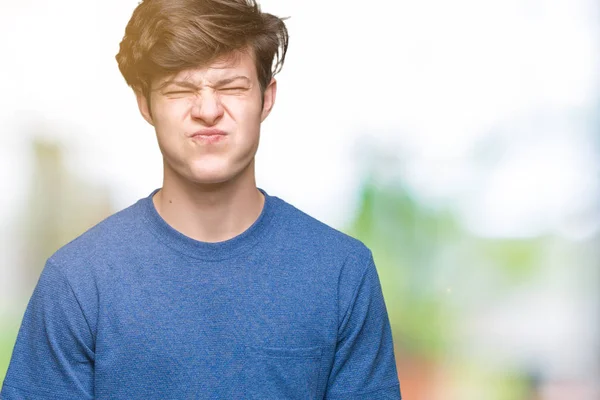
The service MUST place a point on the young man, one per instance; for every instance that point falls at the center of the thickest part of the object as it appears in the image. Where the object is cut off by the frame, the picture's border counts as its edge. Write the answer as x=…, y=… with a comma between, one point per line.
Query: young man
x=209, y=288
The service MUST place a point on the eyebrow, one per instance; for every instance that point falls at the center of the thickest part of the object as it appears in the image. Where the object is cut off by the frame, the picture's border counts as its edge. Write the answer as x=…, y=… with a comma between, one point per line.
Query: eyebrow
x=232, y=79
x=190, y=85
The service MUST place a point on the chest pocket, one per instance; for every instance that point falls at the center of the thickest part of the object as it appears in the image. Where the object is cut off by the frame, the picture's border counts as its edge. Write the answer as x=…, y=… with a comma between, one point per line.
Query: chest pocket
x=282, y=373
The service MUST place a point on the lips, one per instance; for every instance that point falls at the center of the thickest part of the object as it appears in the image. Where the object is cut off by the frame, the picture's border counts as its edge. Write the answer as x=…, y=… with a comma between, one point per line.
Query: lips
x=209, y=133
x=209, y=136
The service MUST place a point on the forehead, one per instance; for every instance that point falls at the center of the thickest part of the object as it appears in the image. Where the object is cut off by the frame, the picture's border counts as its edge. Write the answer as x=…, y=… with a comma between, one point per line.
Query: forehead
x=239, y=63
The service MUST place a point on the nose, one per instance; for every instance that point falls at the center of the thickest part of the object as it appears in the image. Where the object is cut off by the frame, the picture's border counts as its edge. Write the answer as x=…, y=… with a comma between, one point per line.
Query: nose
x=207, y=108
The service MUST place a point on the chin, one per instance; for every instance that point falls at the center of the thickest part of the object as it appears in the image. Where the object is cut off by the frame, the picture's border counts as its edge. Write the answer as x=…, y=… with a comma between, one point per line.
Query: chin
x=210, y=176
x=217, y=171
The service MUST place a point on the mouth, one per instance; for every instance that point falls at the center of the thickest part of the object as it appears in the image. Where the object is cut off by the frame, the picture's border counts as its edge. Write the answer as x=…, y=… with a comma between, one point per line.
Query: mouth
x=209, y=135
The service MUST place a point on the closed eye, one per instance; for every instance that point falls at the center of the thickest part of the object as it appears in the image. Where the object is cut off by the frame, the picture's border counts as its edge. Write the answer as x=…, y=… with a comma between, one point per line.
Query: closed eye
x=233, y=89
x=178, y=92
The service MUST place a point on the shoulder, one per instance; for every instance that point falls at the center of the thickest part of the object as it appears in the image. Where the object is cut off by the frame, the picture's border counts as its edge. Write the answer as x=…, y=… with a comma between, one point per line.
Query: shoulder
x=311, y=235
x=111, y=236
x=330, y=258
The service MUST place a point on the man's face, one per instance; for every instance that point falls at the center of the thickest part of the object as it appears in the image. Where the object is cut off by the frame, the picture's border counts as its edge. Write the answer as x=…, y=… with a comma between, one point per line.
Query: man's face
x=207, y=120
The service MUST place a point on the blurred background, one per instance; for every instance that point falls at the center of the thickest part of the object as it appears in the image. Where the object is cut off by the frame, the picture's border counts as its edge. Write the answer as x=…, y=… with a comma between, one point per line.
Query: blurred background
x=459, y=140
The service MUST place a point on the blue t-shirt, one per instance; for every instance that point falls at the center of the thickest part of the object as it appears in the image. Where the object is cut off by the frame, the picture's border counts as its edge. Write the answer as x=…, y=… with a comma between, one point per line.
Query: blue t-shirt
x=133, y=309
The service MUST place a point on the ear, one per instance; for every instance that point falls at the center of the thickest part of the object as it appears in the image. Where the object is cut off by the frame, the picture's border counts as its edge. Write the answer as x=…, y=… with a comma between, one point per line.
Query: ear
x=269, y=99
x=144, y=107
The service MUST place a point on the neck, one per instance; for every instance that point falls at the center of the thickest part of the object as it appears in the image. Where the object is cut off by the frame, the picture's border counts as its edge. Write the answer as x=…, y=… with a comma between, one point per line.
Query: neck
x=210, y=212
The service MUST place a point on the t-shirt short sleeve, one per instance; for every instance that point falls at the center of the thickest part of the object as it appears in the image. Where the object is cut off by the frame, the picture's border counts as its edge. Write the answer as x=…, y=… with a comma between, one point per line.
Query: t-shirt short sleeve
x=53, y=357
x=364, y=365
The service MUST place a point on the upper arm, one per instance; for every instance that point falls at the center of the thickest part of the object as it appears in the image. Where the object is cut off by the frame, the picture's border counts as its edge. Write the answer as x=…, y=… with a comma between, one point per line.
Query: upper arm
x=54, y=352
x=364, y=364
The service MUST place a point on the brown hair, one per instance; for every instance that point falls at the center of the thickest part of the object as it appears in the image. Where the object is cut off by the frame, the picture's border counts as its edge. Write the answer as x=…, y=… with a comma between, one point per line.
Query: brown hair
x=167, y=36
